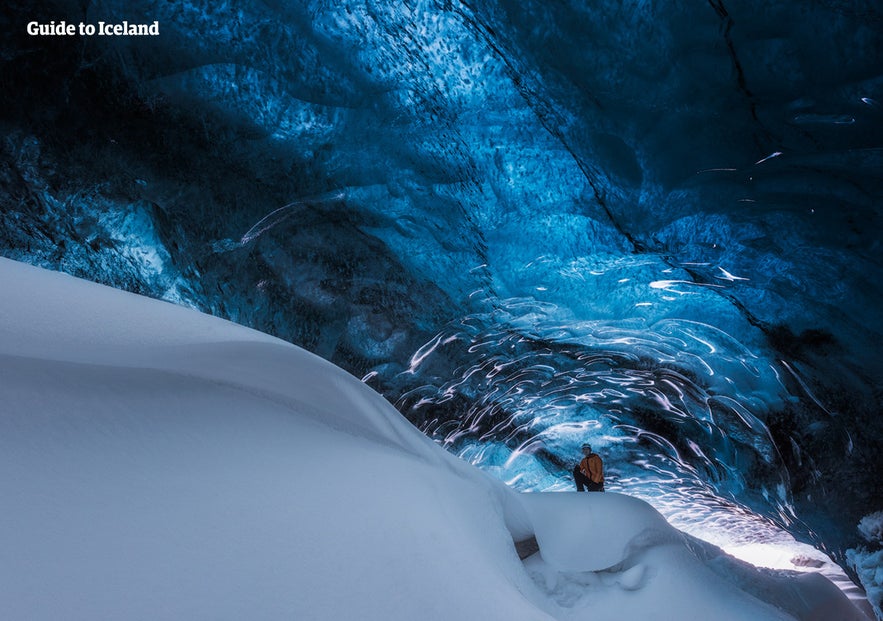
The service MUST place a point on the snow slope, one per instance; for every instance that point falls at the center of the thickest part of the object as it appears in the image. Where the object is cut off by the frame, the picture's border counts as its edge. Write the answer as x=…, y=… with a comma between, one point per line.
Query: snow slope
x=156, y=463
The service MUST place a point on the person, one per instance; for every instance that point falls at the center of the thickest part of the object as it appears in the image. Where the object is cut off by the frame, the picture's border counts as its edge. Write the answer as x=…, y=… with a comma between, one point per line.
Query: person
x=589, y=474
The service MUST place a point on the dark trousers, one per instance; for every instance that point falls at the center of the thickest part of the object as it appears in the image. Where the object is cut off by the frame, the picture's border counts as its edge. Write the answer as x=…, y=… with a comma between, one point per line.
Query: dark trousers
x=584, y=483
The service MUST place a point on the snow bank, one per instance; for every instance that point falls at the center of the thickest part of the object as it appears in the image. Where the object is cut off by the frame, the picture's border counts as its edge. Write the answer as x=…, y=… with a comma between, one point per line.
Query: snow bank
x=156, y=463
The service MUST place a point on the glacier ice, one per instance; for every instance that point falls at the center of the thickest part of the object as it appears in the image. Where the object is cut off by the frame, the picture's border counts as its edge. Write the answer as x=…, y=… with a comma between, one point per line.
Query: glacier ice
x=524, y=223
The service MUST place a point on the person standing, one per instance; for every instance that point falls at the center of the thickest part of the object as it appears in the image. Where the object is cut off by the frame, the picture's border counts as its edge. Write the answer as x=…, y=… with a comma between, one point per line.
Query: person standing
x=589, y=474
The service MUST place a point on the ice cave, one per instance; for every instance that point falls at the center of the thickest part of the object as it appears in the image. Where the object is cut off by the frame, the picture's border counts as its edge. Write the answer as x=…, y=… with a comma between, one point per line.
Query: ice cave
x=652, y=226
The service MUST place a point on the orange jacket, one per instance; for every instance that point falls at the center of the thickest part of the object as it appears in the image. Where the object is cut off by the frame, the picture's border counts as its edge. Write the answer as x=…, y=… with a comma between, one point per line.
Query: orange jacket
x=592, y=467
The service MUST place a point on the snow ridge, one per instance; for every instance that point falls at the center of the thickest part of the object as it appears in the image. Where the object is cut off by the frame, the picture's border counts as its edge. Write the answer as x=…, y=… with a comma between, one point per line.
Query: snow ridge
x=158, y=463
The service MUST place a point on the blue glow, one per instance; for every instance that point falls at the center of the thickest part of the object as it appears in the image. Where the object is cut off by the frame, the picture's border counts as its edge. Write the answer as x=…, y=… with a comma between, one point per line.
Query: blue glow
x=527, y=224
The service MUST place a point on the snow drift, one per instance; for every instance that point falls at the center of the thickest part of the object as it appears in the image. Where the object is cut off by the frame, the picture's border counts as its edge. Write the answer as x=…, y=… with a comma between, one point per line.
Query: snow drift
x=156, y=463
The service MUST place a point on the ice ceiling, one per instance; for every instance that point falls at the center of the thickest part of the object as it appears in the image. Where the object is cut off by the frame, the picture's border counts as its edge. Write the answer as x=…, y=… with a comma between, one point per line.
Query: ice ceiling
x=652, y=226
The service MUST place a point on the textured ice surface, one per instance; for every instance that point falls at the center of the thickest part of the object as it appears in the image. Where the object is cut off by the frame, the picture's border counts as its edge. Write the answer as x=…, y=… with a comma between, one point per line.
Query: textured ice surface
x=526, y=224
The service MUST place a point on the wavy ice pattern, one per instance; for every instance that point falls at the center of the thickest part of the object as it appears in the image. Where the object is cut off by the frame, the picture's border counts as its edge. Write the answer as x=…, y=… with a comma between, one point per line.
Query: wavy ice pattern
x=680, y=409
x=526, y=223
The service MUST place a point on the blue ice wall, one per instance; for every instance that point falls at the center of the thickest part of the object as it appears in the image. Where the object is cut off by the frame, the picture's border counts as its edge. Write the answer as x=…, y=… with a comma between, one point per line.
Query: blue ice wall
x=529, y=224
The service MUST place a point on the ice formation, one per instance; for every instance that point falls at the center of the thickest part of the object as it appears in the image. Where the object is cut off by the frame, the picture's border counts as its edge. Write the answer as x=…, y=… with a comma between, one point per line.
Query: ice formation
x=524, y=223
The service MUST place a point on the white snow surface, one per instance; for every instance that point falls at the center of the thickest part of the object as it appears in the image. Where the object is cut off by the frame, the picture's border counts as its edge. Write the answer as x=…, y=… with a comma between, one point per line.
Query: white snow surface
x=157, y=463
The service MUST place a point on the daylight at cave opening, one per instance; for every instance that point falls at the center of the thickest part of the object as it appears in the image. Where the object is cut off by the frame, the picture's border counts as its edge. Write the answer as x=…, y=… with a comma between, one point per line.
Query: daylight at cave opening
x=650, y=227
